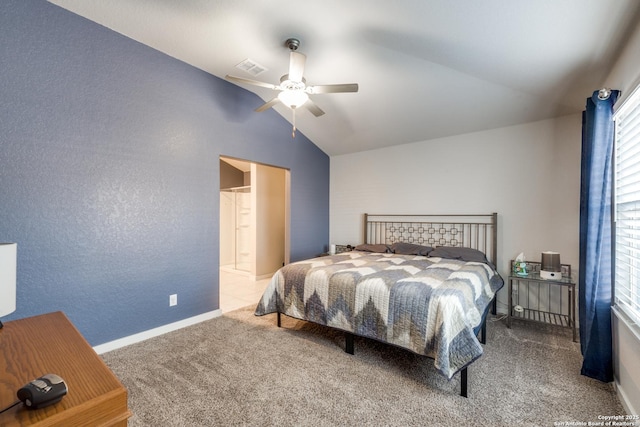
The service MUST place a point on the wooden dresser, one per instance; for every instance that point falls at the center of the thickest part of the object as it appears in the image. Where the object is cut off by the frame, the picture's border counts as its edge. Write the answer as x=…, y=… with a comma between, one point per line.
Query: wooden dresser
x=32, y=347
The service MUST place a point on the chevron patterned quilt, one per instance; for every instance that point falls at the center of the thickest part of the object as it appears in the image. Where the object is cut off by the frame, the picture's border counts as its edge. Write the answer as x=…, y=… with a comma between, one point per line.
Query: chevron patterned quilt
x=431, y=306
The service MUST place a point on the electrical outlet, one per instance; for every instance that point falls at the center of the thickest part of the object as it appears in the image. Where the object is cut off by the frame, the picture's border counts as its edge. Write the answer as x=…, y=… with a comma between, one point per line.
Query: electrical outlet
x=173, y=300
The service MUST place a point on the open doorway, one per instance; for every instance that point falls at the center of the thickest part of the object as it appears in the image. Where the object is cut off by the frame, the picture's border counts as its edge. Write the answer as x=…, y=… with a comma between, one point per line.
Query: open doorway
x=254, y=229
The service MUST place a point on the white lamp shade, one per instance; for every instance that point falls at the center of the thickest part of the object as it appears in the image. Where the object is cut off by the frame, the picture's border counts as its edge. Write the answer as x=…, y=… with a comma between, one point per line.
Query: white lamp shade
x=8, y=264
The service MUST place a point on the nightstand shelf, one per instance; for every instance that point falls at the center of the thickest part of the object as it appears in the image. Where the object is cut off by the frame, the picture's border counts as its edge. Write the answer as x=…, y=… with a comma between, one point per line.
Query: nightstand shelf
x=534, y=299
x=543, y=317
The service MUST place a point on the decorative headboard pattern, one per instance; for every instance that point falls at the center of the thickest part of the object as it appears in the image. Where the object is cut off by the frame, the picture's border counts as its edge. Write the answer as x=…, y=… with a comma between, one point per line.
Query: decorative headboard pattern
x=469, y=231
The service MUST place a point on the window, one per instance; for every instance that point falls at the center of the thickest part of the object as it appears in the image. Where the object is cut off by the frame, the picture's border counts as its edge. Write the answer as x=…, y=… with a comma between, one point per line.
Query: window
x=627, y=206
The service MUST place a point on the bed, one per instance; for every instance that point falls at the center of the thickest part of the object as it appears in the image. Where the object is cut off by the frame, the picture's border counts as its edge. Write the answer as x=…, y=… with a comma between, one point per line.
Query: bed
x=421, y=282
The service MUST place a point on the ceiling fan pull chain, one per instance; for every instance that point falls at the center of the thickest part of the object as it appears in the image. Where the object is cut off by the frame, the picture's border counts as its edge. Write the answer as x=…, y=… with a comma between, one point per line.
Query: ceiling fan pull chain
x=293, y=132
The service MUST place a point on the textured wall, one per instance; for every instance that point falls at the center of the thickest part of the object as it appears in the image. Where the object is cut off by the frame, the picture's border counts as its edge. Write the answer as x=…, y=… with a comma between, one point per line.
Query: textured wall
x=109, y=177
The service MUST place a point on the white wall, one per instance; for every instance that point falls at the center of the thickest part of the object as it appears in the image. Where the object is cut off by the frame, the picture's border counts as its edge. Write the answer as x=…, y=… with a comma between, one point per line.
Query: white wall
x=625, y=76
x=227, y=229
x=626, y=347
x=270, y=204
x=529, y=174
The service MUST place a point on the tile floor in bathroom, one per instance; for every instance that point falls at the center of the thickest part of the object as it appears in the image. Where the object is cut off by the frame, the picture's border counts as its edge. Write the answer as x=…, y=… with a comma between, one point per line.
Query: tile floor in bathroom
x=238, y=290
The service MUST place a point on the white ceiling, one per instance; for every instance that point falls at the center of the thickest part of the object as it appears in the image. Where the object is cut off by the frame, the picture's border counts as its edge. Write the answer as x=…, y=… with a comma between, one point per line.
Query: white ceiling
x=426, y=68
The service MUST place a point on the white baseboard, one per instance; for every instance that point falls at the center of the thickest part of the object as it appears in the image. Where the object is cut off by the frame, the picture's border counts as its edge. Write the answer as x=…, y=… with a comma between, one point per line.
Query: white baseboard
x=247, y=274
x=135, y=338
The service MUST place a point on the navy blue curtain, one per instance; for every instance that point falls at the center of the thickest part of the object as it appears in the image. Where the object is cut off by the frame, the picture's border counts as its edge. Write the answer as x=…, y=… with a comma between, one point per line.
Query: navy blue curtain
x=595, y=285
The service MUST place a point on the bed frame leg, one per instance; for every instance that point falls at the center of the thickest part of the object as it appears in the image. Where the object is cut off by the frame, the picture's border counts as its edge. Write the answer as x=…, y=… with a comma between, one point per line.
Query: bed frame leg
x=279, y=320
x=494, y=305
x=463, y=382
x=483, y=329
x=348, y=342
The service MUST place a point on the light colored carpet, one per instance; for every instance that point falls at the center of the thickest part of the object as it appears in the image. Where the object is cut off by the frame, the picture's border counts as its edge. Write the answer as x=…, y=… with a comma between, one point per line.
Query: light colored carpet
x=242, y=370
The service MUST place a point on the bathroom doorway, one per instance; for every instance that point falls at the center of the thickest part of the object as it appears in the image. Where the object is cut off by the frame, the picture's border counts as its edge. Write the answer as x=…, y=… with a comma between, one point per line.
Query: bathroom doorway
x=254, y=228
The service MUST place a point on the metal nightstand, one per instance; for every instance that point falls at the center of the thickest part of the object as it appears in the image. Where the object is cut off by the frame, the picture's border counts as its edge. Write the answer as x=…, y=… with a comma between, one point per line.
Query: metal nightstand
x=534, y=299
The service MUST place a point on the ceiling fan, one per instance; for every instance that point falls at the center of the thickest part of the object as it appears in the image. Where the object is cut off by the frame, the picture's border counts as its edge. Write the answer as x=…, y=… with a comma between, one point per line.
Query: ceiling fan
x=294, y=92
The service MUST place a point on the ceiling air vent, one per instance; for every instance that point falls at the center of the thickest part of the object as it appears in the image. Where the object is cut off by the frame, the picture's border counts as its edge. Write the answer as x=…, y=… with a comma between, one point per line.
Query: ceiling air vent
x=251, y=67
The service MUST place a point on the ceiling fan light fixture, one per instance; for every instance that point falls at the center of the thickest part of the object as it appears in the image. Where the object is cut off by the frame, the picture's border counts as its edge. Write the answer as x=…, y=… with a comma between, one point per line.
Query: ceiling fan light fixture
x=293, y=98
x=293, y=89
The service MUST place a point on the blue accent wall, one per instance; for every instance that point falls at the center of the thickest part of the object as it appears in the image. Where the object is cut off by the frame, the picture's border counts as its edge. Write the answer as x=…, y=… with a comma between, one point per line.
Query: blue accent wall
x=109, y=173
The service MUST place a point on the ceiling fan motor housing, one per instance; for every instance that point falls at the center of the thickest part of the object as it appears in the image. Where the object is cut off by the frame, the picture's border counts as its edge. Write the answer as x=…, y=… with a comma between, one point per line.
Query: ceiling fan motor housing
x=292, y=44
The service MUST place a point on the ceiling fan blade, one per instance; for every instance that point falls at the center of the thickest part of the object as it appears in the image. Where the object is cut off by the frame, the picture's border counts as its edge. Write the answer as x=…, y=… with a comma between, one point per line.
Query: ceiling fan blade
x=315, y=110
x=268, y=105
x=350, y=87
x=296, y=66
x=250, y=82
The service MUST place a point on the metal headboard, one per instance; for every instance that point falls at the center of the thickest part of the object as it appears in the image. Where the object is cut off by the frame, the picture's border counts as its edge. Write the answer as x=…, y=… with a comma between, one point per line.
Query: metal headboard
x=470, y=231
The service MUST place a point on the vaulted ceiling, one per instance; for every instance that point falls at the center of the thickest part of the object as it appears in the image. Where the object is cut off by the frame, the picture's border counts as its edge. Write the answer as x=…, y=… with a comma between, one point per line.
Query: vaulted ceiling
x=425, y=68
